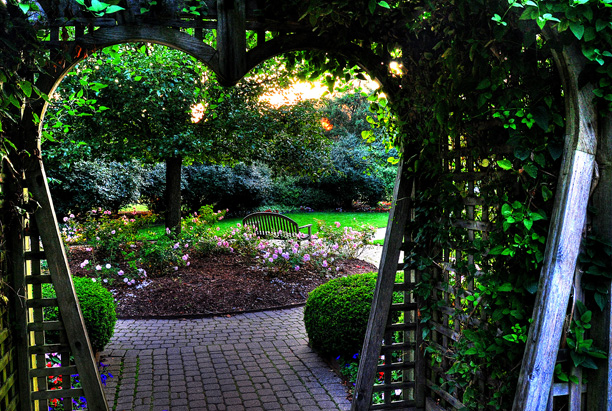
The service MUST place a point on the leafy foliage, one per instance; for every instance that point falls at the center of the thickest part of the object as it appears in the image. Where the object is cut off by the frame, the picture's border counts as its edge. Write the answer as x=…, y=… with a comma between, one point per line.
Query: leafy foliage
x=336, y=314
x=98, y=307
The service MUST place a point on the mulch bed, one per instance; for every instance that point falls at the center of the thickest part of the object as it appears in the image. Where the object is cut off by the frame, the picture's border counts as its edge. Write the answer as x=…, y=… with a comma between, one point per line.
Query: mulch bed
x=218, y=284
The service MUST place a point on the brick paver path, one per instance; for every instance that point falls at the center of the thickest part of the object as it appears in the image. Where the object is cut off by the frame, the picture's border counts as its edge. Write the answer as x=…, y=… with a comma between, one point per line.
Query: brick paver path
x=254, y=361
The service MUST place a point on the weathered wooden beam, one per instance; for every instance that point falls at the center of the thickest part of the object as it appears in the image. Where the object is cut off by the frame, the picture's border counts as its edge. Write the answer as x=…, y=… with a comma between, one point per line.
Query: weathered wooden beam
x=383, y=294
x=66, y=296
x=231, y=40
x=565, y=235
x=599, y=392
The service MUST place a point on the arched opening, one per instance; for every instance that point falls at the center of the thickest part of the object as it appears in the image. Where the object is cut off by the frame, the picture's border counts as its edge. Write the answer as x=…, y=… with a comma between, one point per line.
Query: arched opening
x=289, y=153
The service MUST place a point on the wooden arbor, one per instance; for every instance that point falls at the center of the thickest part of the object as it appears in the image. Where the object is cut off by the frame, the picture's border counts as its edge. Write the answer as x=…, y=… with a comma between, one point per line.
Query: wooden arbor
x=73, y=34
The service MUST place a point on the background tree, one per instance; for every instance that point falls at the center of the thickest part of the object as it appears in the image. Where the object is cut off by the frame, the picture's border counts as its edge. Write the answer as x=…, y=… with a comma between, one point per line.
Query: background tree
x=153, y=104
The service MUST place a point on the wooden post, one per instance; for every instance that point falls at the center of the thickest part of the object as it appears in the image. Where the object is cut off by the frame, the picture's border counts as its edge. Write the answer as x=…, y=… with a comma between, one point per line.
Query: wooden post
x=69, y=308
x=599, y=389
x=383, y=294
x=565, y=235
x=231, y=40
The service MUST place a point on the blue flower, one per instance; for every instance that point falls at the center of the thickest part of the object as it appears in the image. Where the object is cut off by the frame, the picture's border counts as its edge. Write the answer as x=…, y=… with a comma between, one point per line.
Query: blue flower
x=356, y=355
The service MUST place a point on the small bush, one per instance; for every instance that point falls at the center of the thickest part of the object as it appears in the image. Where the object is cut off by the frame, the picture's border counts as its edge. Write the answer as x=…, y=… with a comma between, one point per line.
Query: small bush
x=98, y=307
x=89, y=184
x=336, y=314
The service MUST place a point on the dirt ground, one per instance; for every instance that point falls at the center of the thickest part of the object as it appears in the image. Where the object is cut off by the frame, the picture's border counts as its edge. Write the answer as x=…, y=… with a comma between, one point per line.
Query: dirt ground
x=218, y=284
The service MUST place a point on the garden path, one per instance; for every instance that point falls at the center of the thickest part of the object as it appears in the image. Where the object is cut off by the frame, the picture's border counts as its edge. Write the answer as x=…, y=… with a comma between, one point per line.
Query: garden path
x=250, y=361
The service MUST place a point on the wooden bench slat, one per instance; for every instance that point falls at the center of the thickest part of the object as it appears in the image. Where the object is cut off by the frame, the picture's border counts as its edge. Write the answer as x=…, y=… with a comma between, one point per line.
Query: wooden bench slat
x=276, y=225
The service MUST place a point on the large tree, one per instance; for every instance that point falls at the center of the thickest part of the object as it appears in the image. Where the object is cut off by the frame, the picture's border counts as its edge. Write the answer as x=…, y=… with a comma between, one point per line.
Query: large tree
x=155, y=104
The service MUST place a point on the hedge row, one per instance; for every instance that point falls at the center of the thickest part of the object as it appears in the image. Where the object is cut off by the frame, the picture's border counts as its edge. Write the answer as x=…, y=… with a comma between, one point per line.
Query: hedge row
x=112, y=185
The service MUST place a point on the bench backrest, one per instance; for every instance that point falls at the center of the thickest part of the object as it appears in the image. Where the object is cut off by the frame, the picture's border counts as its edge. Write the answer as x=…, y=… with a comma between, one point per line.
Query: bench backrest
x=272, y=225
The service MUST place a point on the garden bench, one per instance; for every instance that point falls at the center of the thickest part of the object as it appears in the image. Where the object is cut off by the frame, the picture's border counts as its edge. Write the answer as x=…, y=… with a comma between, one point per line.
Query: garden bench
x=276, y=226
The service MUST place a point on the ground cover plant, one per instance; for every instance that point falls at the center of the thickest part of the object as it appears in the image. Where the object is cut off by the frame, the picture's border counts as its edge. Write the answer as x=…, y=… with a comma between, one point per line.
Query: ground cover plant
x=205, y=269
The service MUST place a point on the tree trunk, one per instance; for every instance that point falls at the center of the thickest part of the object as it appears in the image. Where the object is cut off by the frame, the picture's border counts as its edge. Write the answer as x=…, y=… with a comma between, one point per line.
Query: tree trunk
x=173, y=193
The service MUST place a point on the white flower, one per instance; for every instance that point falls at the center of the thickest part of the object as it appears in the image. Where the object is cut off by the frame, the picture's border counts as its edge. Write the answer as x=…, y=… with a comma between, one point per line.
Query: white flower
x=108, y=266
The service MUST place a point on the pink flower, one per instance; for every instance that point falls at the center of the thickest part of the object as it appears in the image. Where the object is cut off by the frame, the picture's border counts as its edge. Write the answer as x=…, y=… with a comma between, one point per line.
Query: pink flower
x=98, y=267
x=84, y=263
x=65, y=219
x=297, y=268
x=185, y=257
x=120, y=272
x=337, y=224
x=71, y=215
x=176, y=246
x=113, y=232
x=188, y=263
x=306, y=257
x=324, y=264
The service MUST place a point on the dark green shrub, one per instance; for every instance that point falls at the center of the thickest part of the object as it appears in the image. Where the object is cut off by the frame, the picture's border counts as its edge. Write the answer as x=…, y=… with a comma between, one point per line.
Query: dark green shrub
x=98, y=308
x=239, y=188
x=336, y=314
x=86, y=185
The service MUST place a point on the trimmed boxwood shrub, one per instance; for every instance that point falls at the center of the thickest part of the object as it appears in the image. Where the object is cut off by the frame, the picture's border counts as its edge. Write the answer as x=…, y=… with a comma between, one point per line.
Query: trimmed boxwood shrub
x=97, y=305
x=336, y=314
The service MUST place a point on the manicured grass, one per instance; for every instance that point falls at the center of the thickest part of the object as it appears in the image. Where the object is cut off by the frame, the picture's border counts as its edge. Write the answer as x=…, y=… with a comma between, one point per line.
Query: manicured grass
x=352, y=219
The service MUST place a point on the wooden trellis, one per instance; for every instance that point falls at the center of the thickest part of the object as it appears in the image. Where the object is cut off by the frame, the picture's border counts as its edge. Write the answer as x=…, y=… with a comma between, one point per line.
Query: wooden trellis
x=403, y=378
x=37, y=339
x=402, y=371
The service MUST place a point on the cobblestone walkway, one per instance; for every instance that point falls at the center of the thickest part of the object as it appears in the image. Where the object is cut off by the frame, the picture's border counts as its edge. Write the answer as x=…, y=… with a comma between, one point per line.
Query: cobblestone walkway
x=254, y=361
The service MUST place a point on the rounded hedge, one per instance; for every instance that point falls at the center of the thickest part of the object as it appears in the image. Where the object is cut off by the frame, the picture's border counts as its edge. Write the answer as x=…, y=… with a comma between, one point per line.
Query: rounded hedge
x=336, y=314
x=98, y=308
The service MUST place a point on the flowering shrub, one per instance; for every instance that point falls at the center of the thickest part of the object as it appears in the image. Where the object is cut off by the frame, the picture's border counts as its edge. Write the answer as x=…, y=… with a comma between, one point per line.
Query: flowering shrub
x=164, y=255
x=321, y=253
x=346, y=242
x=54, y=360
x=117, y=256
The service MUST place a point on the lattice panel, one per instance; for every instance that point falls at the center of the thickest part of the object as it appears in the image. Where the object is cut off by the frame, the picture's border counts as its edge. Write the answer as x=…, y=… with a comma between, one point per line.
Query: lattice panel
x=398, y=366
x=454, y=289
x=51, y=366
x=8, y=380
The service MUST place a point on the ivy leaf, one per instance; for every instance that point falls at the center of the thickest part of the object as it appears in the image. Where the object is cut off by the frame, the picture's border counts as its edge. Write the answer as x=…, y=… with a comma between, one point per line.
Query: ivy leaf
x=26, y=86
x=113, y=9
x=588, y=363
x=532, y=287
x=601, y=300
x=372, y=6
x=601, y=24
x=528, y=223
x=541, y=117
x=506, y=287
x=505, y=164
x=384, y=4
x=522, y=153
x=577, y=29
x=563, y=25
x=555, y=151
x=97, y=6
x=586, y=317
x=486, y=83
x=531, y=170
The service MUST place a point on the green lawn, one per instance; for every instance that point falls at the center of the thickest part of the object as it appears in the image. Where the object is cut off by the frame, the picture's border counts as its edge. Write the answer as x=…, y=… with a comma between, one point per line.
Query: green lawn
x=378, y=220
